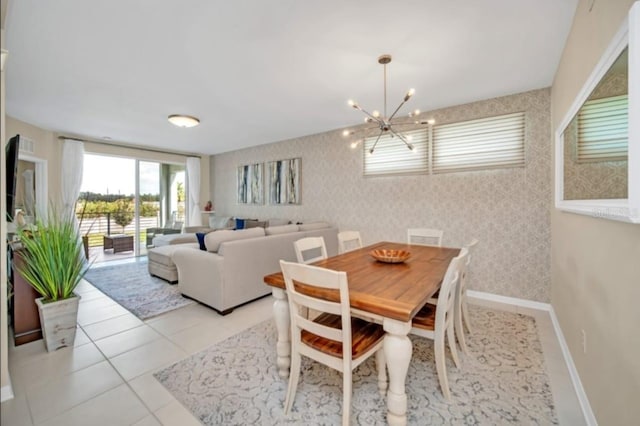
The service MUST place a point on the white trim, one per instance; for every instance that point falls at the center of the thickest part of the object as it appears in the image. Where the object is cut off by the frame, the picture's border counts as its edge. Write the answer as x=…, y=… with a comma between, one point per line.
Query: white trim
x=573, y=372
x=627, y=210
x=6, y=392
x=531, y=304
x=42, y=188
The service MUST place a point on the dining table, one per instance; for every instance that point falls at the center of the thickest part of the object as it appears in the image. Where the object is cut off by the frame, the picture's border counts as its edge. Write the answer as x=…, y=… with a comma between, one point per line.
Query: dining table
x=386, y=293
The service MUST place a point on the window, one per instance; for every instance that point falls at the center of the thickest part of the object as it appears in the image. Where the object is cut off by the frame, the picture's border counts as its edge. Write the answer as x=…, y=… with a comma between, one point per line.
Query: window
x=393, y=157
x=486, y=143
x=603, y=129
x=479, y=144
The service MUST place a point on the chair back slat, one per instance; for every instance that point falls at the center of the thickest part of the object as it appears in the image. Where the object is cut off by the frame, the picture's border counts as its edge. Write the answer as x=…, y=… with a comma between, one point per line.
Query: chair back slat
x=425, y=236
x=445, y=308
x=316, y=304
x=319, y=329
x=310, y=250
x=349, y=241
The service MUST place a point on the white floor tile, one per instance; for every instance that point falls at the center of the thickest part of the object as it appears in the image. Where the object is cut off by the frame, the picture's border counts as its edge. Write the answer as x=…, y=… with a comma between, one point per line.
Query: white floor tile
x=86, y=317
x=57, y=396
x=15, y=412
x=81, y=338
x=180, y=319
x=53, y=365
x=150, y=420
x=175, y=414
x=151, y=392
x=127, y=340
x=118, y=406
x=111, y=326
x=147, y=358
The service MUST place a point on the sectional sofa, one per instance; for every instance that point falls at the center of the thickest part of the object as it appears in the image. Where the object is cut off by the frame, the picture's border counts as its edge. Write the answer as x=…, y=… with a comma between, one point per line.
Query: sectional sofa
x=230, y=272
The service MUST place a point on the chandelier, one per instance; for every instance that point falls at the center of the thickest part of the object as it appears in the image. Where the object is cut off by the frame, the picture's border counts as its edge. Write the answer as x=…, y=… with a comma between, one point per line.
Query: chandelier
x=385, y=122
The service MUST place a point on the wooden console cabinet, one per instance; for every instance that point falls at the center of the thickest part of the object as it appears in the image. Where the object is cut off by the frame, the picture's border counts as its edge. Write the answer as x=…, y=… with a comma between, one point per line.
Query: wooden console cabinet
x=24, y=311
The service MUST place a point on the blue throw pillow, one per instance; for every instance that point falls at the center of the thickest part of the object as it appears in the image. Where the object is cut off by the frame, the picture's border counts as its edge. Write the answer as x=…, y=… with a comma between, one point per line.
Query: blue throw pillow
x=200, y=237
x=239, y=223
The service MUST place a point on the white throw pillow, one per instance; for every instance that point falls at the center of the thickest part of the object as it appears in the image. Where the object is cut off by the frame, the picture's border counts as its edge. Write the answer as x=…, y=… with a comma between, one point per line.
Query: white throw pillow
x=278, y=222
x=313, y=226
x=219, y=222
x=213, y=239
x=284, y=229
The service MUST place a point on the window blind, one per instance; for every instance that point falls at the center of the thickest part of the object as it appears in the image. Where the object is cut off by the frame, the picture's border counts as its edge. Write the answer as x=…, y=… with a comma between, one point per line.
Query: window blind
x=479, y=144
x=392, y=156
x=603, y=129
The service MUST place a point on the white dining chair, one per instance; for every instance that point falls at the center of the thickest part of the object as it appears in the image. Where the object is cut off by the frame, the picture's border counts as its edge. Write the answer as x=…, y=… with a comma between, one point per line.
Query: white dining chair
x=348, y=241
x=310, y=249
x=324, y=338
x=425, y=236
x=463, y=311
x=433, y=322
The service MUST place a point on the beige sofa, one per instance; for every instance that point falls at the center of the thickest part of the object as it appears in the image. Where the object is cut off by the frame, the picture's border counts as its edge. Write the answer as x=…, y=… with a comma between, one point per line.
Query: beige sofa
x=230, y=273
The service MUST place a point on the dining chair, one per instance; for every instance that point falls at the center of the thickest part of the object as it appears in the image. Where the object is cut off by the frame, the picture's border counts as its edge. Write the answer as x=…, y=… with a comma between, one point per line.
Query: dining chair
x=310, y=249
x=433, y=322
x=425, y=236
x=348, y=241
x=325, y=338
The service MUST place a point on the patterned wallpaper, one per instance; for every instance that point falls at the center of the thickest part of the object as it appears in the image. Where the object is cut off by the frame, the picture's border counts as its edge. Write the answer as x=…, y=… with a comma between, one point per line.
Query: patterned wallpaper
x=506, y=209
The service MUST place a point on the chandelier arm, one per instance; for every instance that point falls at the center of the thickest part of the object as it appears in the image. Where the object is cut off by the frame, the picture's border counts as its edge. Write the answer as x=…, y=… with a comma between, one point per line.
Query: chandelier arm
x=401, y=137
x=397, y=109
x=378, y=120
x=376, y=142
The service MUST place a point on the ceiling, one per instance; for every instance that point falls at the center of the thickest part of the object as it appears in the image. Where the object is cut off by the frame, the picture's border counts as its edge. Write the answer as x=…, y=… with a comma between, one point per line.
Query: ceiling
x=257, y=72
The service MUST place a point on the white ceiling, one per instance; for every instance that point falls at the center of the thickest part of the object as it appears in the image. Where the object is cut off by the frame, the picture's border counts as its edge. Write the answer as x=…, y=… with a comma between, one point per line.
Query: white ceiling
x=258, y=71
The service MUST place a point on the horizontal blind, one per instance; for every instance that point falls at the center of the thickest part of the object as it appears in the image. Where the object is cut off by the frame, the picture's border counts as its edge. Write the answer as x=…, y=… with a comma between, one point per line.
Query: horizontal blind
x=392, y=156
x=603, y=129
x=479, y=144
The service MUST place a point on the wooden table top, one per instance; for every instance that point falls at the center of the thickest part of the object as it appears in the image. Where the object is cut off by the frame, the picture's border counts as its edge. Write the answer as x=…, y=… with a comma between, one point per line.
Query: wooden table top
x=396, y=291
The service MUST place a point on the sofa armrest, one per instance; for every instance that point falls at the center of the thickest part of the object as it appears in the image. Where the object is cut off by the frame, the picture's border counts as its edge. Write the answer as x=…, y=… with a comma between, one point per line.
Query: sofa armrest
x=200, y=276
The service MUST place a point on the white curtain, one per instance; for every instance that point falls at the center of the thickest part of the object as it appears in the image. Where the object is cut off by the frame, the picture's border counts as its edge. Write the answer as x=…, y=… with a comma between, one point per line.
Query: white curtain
x=72, y=163
x=193, y=176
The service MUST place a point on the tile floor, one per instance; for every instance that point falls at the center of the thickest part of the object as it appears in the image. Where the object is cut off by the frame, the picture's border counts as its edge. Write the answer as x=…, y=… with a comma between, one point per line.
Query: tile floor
x=106, y=379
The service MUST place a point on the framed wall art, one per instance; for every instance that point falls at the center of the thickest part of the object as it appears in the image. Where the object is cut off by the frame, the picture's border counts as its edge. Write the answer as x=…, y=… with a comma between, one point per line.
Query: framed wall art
x=250, y=184
x=284, y=181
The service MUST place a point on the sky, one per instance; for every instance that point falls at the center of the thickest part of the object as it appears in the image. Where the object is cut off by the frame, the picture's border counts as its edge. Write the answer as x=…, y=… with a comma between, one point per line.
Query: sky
x=114, y=175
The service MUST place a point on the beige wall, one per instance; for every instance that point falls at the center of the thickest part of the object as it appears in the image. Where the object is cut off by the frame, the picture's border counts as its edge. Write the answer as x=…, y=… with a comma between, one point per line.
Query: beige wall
x=506, y=209
x=596, y=262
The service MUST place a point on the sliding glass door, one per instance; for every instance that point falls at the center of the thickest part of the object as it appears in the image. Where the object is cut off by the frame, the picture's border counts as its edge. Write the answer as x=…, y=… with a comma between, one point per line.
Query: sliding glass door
x=126, y=202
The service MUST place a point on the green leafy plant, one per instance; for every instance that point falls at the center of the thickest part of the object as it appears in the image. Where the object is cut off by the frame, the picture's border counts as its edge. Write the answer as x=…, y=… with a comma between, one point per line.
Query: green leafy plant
x=124, y=214
x=54, y=261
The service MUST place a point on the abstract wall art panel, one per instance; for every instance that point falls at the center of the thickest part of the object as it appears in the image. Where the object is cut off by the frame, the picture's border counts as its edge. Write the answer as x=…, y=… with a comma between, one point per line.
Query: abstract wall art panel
x=284, y=181
x=250, y=184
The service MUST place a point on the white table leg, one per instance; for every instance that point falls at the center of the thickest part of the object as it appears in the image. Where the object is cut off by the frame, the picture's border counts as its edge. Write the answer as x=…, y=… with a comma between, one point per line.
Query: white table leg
x=283, y=325
x=397, y=351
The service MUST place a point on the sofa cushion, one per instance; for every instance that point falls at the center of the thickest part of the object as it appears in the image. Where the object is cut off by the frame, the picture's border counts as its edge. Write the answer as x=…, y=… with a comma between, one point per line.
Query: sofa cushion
x=162, y=255
x=284, y=229
x=313, y=226
x=278, y=222
x=170, y=239
x=213, y=239
x=253, y=223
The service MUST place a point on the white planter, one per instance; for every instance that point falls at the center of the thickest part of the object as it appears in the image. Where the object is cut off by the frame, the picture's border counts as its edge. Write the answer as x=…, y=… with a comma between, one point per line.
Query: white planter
x=58, y=321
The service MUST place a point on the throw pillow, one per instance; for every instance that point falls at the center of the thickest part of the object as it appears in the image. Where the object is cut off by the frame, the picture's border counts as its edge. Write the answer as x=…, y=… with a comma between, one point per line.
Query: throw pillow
x=278, y=222
x=239, y=223
x=200, y=236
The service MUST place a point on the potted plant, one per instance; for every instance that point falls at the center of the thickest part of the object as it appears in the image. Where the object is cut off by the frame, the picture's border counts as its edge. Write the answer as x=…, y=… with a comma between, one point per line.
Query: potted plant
x=54, y=264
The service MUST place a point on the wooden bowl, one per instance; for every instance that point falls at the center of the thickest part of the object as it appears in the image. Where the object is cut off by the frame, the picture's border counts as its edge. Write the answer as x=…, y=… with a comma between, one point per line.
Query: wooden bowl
x=390, y=256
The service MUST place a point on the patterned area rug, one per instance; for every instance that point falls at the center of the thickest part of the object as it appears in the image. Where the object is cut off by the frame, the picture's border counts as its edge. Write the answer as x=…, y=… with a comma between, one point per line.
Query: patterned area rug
x=503, y=380
x=132, y=287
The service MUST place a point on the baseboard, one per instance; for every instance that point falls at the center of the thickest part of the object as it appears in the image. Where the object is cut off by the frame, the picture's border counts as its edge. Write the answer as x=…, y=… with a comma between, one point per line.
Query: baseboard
x=589, y=417
x=514, y=301
x=6, y=393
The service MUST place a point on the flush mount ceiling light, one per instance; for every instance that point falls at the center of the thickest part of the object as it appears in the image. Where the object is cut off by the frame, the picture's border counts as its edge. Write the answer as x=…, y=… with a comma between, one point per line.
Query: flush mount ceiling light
x=385, y=122
x=183, y=120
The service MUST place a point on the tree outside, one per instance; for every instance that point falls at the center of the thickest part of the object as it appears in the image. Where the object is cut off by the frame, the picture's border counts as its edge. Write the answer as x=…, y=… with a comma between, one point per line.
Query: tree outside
x=124, y=212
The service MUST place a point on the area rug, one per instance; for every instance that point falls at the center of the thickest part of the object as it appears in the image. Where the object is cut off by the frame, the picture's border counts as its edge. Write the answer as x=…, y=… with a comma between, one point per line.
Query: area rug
x=132, y=287
x=502, y=380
